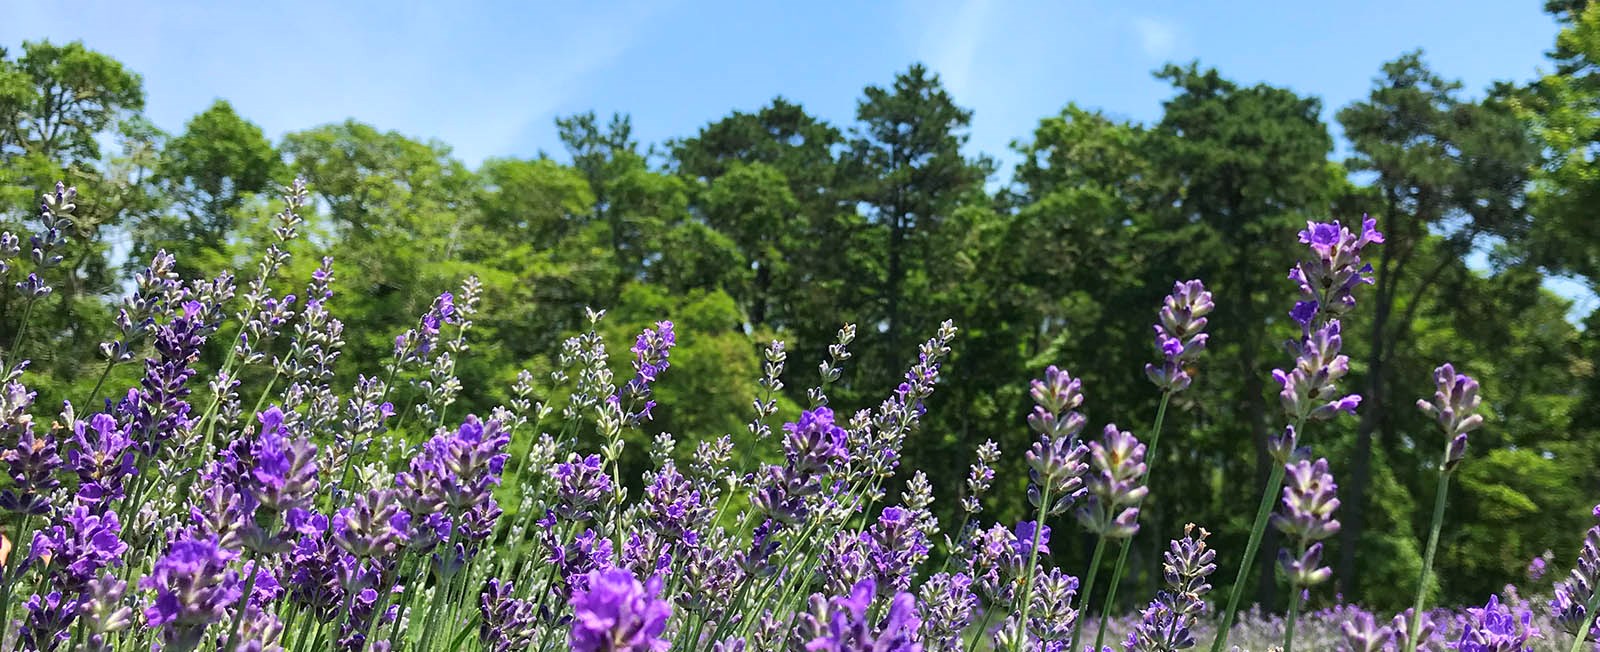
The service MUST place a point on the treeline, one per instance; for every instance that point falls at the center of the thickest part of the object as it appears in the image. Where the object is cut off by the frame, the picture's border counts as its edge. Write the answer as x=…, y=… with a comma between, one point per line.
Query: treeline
x=774, y=224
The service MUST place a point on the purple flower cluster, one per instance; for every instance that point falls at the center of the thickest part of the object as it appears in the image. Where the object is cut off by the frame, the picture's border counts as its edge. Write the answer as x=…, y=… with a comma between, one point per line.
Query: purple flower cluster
x=1055, y=462
x=1180, y=334
x=616, y=613
x=1309, y=500
x=1168, y=623
x=844, y=624
x=1455, y=407
x=1115, y=485
x=1328, y=276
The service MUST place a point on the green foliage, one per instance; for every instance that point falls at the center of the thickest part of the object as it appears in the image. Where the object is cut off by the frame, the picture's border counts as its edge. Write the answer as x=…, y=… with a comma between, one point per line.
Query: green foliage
x=774, y=224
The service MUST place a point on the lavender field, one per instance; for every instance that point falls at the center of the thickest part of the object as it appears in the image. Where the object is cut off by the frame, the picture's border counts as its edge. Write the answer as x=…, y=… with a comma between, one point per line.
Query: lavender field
x=946, y=326
x=302, y=521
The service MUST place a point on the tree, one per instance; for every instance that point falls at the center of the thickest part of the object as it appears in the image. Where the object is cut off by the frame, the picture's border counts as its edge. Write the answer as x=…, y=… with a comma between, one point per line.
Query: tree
x=906, y=167
x=1442, y=165
x=209, y=171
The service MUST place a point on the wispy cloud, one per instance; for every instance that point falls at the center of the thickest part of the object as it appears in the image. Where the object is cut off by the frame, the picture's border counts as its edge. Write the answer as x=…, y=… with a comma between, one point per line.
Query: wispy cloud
x=1158, y=38
x=951, y=40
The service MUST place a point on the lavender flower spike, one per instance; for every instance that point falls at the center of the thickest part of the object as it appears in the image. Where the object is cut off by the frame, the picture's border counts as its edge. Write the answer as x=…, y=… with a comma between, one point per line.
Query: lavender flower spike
x=1575, y=597
x=1310, y=389
x=1497, y=628
x=1328, y=277
x=1309, y=500
x=1114, y=485
x=618, y=614
x=1056, y=460
x=1455, y=407
x=1180, y=334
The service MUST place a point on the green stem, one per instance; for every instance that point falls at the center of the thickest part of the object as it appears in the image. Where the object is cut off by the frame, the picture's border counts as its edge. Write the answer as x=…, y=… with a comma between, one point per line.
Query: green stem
x=983, y=628
x=1274, y=483
x=8, y=581
x=1033, y=563
x=1427, y=559
x=1088, y=590
x=97, y=385
x=1294, y=614
x=16, y=341
x=1588, y=621
x=1127, y=543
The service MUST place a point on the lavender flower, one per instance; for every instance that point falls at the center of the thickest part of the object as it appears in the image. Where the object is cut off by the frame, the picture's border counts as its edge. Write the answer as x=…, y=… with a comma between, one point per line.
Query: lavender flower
x=1328, y=277
x=1497, y=628
x=1055, y=463
x=849, y=628
x=508, y=624
x=45, y=627
x=193, y=588
x=650, y=352
x=1455, y=407
x=1309, y=500
x=1167, y=623
x=673, y=504
x=618, y=614
x=898, y=547
x=581, y=485
x=811, y=446
x=1114, y=487
x=285, y=473
x=1051, y=618
x=1180, y=334
x=102, y=457
x=31, y=464
x=948, y=604
x=980, y=477
x=1310, y=389
x=1573, y=596
x=74, y=552
x=1363, y=634
x=103, y=610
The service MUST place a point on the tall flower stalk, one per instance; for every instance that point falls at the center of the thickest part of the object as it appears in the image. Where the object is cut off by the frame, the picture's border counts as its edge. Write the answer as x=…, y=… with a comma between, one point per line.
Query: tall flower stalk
x=1180, y=337
x=1115, y=488
x=1309, y=501
x=1055, y=464
x=1455, y=407
x=1326, y=278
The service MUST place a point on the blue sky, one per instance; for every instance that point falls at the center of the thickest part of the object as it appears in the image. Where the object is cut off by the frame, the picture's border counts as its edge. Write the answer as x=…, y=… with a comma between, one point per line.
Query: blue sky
x=489, y=77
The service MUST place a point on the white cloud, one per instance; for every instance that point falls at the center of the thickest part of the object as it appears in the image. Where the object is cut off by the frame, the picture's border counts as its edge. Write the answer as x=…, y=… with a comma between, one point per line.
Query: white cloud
x=1158, y=38
x=951, y=40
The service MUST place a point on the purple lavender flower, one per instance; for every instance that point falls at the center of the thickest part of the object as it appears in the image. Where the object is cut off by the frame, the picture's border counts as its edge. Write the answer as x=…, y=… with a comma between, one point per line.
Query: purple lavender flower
x=44, y=629
x=374, y=525
x=1310, y=389
x=1167, y=623
x=1309, y=500
x=103, y=610
x=581, y=485
x=1537, y=567
x=102, y=457
x=577, y=560
x=1055, y=463
x=650, y=352
x=1327, y=278
x=618, y=614
x=1455, y=407
x=1497, y=628
x=509, y=624
x=193, y=588
x=947, y=607
x=1051, y=617
x=1573, y=595
x=32, y=465
x=74, y=552
x=1180, y=334
x=1114, y=487
x=845, y=560
x=285, y=473
x=811, y=446
x=158, y=410
x=980, y=477
x=897, y=548
x=1362, y=633
x=672, y=503
x=1028, y=532
x=996, y=561
x=849, y=627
